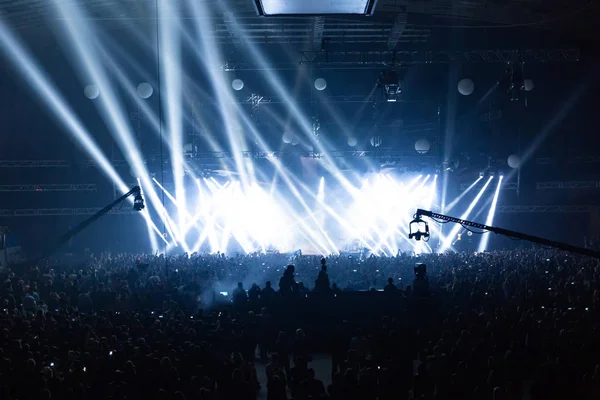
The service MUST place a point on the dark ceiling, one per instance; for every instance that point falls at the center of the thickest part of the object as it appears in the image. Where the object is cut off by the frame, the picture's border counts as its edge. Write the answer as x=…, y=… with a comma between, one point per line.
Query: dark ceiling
x=396, y=23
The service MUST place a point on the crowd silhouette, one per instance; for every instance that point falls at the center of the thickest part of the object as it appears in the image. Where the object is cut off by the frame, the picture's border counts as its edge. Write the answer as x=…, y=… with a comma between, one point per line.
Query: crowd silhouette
x=519, y=324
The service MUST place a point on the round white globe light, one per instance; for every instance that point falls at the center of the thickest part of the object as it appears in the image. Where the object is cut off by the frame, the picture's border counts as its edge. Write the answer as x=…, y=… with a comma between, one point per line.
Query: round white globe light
x=145, y=90
x=469, y=233
x=466, y=87
x=375, y=141
x=320, y=84
x=237, y=84
x=287, y=137
x=91, y=92
x=352, y=141
x=514, y=161
x=528, y=85
x=422, y=146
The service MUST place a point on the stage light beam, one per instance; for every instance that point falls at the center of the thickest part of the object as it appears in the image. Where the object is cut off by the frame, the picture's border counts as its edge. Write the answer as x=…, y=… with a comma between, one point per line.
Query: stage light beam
x=448, y=240
x=454, y=202
x=490, y=218
x=46, y=91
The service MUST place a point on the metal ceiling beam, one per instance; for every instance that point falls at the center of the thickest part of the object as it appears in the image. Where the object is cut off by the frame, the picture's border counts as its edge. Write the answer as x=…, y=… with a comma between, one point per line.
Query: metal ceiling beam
x=318, y=26
x=547, y=185
x=397, y=30
x=362, y=99
x=383, y=154
x=33, y=163
x=85, y=187
x=44, y=212
x=392, y=58
x=572, y=160
x=546, y=209
x=248, y=154
x=379, y=154
x=567, y=185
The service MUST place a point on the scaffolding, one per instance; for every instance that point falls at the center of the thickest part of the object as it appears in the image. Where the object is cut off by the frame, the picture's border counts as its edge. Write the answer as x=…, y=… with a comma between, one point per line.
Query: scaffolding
x=34, y=163
x=397, y=57
x=83, y=187
x=546, y=209
x=46, y=212
x=570, y=185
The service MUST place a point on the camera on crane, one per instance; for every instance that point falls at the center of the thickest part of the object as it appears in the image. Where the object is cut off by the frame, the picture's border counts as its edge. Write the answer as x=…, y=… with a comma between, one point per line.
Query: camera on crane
x=418, y=229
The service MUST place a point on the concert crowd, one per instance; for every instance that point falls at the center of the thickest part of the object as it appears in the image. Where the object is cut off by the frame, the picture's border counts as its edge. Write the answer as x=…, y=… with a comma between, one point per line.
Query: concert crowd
x=520, y=324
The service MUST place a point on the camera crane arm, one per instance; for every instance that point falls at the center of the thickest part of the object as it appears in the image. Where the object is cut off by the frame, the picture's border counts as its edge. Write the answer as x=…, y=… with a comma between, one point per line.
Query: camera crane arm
x=138, y=205
x=501, y=231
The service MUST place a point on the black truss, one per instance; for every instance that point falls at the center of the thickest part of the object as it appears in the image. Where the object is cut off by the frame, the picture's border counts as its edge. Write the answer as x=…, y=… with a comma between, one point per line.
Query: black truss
x=392, y=58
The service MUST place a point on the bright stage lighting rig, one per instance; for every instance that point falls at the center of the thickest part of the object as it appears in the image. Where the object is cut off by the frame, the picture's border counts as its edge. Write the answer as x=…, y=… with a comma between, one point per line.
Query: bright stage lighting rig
x=513, y=80
x=390, y=84
x=422, y=231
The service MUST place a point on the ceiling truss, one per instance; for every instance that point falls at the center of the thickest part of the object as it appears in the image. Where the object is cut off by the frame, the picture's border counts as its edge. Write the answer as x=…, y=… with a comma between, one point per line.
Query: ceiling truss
x=84, y=187
x=250, y=154
x=44, y=212
x=399, y=57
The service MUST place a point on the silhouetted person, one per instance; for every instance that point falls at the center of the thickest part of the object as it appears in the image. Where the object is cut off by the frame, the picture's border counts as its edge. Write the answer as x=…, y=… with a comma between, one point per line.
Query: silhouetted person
x=275, y=369
x=282, y=347
x=322, y=282
x=276, y=389
x=335, y=289
x=267, y=294
x=312, y=387
x=390, y=287
x=254, y=293
x=265, y=341
x=287, y=282
x=421, y=282
x=239, y=294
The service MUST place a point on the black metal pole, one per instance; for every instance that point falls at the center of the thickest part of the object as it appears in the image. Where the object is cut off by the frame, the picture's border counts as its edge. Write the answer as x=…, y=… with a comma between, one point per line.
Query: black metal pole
x=80, y=227
x=512, y=234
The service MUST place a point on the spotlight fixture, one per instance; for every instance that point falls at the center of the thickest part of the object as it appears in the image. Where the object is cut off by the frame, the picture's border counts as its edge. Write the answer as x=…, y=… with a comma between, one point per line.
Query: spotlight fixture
x=513, y=80
x=418, y=229
x=390, y=84
x=481, y=174
x=138, y=201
